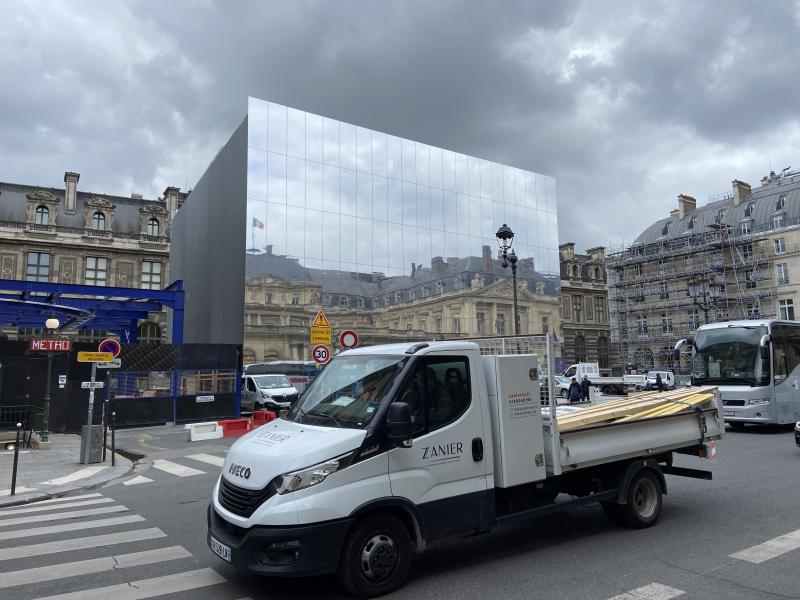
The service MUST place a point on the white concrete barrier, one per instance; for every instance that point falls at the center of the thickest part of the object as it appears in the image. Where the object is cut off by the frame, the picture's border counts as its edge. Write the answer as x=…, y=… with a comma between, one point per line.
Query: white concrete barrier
x=204, y=431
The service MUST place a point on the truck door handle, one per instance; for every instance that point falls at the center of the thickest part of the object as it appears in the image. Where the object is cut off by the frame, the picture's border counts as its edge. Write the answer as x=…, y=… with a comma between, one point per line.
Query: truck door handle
x=477, y=449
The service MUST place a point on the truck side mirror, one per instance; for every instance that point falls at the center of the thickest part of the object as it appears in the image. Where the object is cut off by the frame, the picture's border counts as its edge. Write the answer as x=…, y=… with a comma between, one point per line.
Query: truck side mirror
x=764, y=343
x=764, y=350
x=398, y=424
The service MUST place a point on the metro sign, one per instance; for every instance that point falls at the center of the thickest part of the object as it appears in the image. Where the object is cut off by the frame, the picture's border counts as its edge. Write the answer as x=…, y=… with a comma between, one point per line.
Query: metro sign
x=50, y=345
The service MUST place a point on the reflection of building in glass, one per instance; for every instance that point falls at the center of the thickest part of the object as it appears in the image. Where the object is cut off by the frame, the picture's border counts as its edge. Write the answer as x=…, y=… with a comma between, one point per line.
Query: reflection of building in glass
x=390, y=237
x=457, y=297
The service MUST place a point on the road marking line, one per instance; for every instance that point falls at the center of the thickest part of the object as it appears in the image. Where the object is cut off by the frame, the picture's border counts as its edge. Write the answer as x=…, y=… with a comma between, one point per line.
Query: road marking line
x=70, y=514
x=20, y=490
x=95, y=565
x=137, y=480
x=76, y=476
x=217, y=461
x=66, y=499
x=34, y=531
x=175, y=469
x=770, y=549
x=38, y=508
x=147, y=588
x=82, y=543
x=654, y=591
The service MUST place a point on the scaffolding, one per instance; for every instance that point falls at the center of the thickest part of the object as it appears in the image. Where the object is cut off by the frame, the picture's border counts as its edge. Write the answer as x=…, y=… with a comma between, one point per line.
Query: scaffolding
x=649, y=286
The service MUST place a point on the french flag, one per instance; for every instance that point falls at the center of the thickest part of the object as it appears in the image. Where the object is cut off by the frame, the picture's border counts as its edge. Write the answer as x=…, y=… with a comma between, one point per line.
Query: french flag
x=257, y=223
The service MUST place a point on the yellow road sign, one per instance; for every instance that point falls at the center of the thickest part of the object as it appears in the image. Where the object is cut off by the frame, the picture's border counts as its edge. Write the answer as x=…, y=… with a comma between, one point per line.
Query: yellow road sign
x=95, y=356
x=321, y=335
x=321, y=320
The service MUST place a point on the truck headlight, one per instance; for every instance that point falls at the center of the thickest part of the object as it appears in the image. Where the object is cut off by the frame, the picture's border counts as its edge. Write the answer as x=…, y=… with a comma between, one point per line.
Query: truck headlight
x=304, y=478
x=758, y=401
x=265, y=395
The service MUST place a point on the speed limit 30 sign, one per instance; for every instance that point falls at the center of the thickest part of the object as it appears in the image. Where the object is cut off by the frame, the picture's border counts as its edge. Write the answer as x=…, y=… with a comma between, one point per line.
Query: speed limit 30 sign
x=321, y=354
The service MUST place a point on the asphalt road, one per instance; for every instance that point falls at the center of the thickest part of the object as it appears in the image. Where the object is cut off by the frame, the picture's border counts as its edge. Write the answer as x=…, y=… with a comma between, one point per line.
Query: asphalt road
x=752, y=500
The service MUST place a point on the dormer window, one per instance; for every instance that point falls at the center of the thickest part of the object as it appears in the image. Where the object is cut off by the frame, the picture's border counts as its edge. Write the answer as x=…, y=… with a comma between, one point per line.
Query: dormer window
x=665, y=229
x=777, y=221
x=398, y=297
x=691, y=222
x=42, y=215
x=745, y=227
x=780, y=203
x=748, y=212
x=720, y=216
x=439, y=287
x=98, y=221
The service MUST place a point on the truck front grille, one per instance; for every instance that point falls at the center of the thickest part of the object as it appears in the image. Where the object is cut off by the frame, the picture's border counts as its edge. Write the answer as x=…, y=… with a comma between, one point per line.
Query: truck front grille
x=241, y=501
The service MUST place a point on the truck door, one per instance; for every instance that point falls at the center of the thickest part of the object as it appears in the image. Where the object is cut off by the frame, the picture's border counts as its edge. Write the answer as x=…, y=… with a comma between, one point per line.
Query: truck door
x=444, y=473
x=248, y=393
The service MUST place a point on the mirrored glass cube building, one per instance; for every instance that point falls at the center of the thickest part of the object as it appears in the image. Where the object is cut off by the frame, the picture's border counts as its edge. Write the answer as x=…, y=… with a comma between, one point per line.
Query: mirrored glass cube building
x=392, y=238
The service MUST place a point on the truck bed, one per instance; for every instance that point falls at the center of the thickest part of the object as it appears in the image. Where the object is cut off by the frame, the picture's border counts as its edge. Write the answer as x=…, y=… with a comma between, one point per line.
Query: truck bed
x=600, y=443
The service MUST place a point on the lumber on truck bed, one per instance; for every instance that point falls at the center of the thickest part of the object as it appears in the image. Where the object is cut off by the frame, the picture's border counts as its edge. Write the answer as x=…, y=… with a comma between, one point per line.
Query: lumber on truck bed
x=643, y=405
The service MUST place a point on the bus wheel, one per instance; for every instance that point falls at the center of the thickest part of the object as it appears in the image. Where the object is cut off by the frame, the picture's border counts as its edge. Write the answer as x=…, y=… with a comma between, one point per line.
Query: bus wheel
x=376, y=557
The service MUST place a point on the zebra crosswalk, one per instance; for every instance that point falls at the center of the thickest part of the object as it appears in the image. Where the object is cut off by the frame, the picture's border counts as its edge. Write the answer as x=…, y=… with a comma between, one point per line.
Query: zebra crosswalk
x=89, y=547
x=190, y=465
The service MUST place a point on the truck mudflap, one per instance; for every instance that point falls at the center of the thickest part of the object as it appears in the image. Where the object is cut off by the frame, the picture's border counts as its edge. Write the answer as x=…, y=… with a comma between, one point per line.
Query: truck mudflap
x=296, y=551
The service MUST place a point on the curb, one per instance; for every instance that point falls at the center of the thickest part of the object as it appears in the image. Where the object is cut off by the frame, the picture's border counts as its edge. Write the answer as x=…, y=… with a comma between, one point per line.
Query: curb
x=37, y=496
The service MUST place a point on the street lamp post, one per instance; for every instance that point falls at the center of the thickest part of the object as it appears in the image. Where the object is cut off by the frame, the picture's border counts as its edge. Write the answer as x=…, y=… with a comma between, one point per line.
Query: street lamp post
x=52, y=325
x=505, y=238
x=706, y=289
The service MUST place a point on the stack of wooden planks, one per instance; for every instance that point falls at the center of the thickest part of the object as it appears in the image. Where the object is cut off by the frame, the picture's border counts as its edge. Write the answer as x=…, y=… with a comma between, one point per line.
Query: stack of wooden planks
x=643, y=405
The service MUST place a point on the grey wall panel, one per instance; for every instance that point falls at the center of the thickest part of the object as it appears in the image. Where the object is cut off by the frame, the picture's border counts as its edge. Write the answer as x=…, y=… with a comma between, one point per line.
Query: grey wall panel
x=208, y=249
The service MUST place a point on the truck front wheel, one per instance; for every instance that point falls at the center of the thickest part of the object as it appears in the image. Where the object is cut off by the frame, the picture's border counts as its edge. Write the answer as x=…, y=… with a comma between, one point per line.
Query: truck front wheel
x=376, y=557
x=644, y=502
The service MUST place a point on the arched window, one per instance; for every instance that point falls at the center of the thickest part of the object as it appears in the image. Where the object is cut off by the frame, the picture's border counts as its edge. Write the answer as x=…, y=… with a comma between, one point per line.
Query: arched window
x=596, y=273
x=580, y=348
x=149, y=332
x=152, y=226
x=691, y=222
x=602, y=352
x=748, y=212
x=99, y=221
x=42, y=216
x=574, y=270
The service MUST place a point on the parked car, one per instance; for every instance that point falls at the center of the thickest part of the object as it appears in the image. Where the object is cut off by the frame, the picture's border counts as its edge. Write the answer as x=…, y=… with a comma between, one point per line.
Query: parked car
x=273, y=392
x=667, y=377
x=797, y=433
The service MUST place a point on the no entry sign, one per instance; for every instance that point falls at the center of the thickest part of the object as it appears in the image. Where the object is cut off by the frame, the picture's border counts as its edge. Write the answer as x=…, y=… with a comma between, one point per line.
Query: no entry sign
x=321, y=354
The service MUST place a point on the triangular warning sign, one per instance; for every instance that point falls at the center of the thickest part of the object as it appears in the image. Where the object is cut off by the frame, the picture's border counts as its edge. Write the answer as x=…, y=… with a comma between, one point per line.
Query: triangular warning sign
x=321, y=320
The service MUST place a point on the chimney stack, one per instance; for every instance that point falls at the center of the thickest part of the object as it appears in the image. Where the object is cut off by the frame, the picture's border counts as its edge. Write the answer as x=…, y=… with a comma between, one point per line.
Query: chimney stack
x=486, y=259
x=741, y=190
x=764, y=180
x=71, y=191
x=171, y=199
x=598, y=253
x=567, y=250
x=686, y=204
x=437, y=264
x=451, y=260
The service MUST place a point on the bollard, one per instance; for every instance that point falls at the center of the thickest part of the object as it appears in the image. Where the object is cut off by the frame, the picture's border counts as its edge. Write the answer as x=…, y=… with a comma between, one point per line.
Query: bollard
x=113, y=436
x=16, y=458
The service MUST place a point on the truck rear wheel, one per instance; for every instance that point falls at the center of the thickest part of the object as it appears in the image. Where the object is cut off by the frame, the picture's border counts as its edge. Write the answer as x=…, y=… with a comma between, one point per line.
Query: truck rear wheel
x=644, y=502
x=376, y=557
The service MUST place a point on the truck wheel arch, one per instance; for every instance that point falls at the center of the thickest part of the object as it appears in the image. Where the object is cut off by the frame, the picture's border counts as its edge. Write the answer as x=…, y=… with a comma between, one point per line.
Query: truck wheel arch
x=631, y=471
x=403, y=509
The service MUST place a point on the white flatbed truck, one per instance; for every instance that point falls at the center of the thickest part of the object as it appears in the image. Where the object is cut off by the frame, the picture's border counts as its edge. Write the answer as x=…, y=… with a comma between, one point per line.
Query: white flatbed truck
x=395, y=447
x=606, y=384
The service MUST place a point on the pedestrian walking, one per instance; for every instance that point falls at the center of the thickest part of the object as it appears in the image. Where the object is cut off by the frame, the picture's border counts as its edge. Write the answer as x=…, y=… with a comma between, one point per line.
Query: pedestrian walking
x=659, y=383
x=585, y=385
x=575, y=391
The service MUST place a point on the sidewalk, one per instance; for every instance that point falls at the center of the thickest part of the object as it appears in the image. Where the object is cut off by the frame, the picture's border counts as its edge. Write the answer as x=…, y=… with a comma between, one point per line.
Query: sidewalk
x=42, y=474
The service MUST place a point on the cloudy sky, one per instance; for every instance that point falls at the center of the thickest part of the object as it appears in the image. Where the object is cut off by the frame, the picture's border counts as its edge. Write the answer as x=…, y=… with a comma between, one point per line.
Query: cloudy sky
x=626, y=104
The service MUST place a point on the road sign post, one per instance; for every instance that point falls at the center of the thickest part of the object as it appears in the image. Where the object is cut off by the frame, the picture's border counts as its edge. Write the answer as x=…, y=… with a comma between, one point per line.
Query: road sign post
x=87, y=442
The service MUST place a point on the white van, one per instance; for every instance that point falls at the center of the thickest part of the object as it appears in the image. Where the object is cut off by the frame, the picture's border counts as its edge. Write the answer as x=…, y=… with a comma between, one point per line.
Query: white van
x=272, y=392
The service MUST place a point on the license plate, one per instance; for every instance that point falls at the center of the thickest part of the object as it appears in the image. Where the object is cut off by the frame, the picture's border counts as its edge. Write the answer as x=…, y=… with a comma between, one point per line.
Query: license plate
x=221, y=550
x=728, y=413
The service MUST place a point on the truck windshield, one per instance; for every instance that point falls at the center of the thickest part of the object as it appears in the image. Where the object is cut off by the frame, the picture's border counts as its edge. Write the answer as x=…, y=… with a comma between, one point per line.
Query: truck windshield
x=271, y=382
x=348, y=391
x=729, y=356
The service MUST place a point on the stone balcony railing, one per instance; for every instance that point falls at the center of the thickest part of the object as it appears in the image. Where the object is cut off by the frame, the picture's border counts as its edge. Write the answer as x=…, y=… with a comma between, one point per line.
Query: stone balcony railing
x=94, y=233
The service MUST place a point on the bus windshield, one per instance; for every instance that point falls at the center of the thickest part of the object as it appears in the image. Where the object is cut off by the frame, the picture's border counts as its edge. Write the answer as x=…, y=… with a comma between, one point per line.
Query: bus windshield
x=729, y=356
x=348, y=391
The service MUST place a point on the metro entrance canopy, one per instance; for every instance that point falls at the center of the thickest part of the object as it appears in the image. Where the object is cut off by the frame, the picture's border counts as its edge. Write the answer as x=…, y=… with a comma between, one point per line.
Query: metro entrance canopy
x=114, y=309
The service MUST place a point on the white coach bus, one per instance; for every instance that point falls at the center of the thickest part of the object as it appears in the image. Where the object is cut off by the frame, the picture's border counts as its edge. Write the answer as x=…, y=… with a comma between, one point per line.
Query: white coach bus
x=755, y=364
